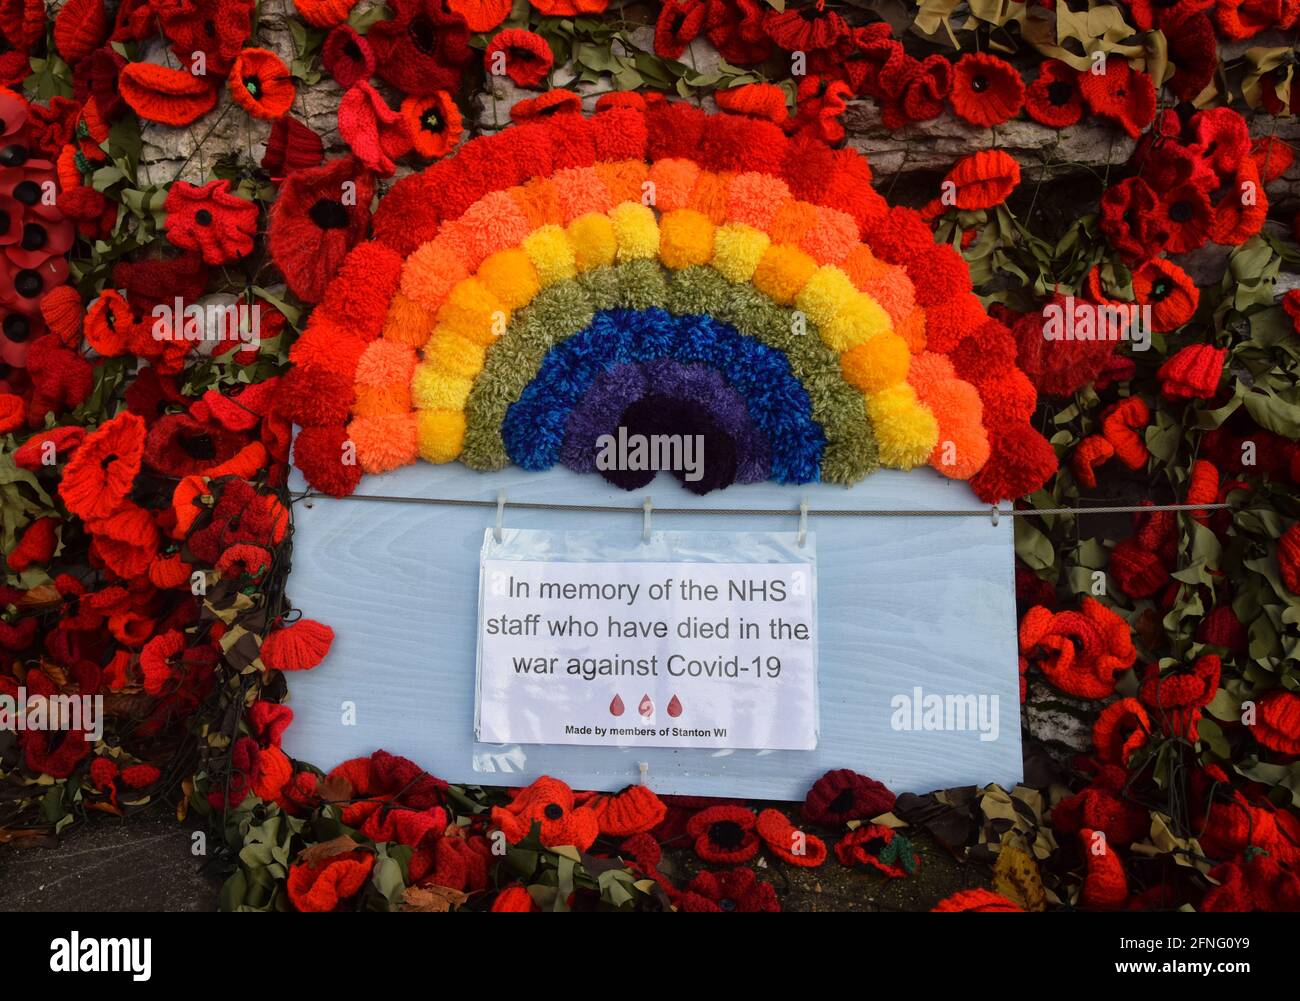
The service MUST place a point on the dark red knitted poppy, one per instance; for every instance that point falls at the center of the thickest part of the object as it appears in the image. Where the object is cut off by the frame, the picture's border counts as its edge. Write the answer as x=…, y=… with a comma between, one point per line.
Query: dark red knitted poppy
x=179, y=445
x=1121, y=94
x=320, y=214
x=1186, y=213
x=923, y=97
x=1165, y=14
x=807, y=28
x=1168, y=290
x=524, y=55
x=735, y=27
x=216, y=28
x=724, y=834
x=1131, y=219
x=1174, y=699
x=842, y=795
x=554, y=102
x=423, y=48
x=733, y=890
x=291, y=146
x=152, y=281
x=679, y=23
x=210, y=219
x=882, y=848
x=1195, y=56
x=1053, y=99
x=347, y=56
x=986, y=90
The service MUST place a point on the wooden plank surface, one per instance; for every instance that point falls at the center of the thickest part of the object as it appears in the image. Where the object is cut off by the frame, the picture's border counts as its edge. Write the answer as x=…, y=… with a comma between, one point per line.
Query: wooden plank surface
x=903, y=602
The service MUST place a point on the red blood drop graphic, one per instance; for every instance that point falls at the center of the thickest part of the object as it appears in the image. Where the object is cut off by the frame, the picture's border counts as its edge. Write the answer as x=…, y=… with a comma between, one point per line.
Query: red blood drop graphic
x=675, y=707
x=616, y=706
x=647, y=708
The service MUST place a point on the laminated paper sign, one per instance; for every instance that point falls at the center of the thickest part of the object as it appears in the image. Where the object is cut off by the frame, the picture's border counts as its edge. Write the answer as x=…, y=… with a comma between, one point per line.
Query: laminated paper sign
x=666, y=653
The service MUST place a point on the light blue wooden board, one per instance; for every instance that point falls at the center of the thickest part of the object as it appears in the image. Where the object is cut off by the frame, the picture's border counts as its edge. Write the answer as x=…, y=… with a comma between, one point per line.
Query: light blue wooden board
x=902, y=602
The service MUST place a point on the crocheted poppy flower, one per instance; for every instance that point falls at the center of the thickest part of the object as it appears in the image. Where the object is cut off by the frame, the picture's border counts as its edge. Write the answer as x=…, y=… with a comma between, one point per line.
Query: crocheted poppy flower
x=1195, y=56
x=986, y=90
x=1186, y=213
x=976, y=901
x=514, y=900
x=434, y=124
x=1053, y=99
x=1193, y=373
x=1080, y=652
x=525, y=56
x=299, y=646
x=108, y=324
x=98, y=478
x=318, y=217
x=215, y=28
x=1174, y=699
x=165, y=95
x=325, y=885
x=735, y=28
x=842, y=795
x=376, y=133
x=291, y=146
x=1255, y=883
x=679, y=23
x=732, y=890
x=922, y=97
x=787, y=842
x=261, y=84
x=1277, y=721
x=422, y=48
x=1121, y=728
x=554, y=102
x=347, y=56
x=634, y=810
x=548, y=803
x=1121, y=94
x=1238, y=19
x=180, y=445
x=210, y=219
x=1168, y=290
x=1165, y=14
x=241, y=514
x=1132, y=220
x=807, y=28
x=1105, y=885
x=1103, y=806
x=1054, y=363
x=724, y=833
x=1092, y=452
x=882, y=848
x=481, y=15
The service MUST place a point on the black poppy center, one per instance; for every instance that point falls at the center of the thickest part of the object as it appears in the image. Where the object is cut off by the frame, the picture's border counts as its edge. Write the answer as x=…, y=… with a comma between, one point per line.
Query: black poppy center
x=1059, y=93
x=353, y=51
x=28, y=283
x=842, y=803
x=726, y=834
x=432, y=121
x=1161, y=290
x=553, y=811
x=422, y=33
x=328, y=214
x=197, y=446
x=13, y=155
x=107, y=461
x=979, y=84
x=27, y=192
x=34, y=236
x=5, y=47
x=253, y=85
x=727, y=904
x=17, y=328
x=1180, y=211
x=203, y=217
x=210, y=26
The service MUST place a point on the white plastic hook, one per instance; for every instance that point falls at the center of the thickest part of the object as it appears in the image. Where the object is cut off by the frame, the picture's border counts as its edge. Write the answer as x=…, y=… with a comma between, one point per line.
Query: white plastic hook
x=993, y=515
x=644, y=768
x=803, y=521
x=646, y=507
x=501, y=514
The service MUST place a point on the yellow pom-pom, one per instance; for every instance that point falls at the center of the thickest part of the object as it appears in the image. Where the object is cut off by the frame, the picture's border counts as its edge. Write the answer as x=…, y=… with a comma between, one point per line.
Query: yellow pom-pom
x=857, y=321
x=828, y=291
x=685, y=239
x=549, y=250
x=441, y=434
x=510, y=276
x=875, y=364
x=737, y=249
x=782, y=273
x=435, y=390
x=636, y=230
x=407, y=322
x=474, y=313
x=448, y=352
x=593, y=241
x=906, y=431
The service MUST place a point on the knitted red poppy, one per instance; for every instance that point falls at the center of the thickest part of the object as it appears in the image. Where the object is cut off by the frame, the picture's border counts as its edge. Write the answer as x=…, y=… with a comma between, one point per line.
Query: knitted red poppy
x=347, y=56
x=422, y=48
x=554, y=102
x=1186, y=213
x=1277, y=721
x=108, y=323
x=679, y=23
x=1193, y=373
x=80, y=27
x=634, y=810
x=1255, y=882
x=842, y=795
x=323, y=13
x=241, y=514
x=1057, y=365
x=35, y=545
x=376, y=133
x=548, y=803
x=291, y=146
x=329, y=883
x=514, y=900
x=880, y=847
x=1175, y=699
x=925, y=92
x=1080, y=652
x=808, y=28
x=1121, y=94
x=976, y=901
x=320, y=214
x=165, y=95
x=732, y=890
x=1131, y=220
x=98, y=478
x=986, y=90
x=297, y=647
x=1138, y=571
x=760, y=100
x=1091, y=452
x=724, y=833
x=735, y=27
x=1168, y=290
x=183, y=445
x=1195, y=56
x=215, y=28
x=1102, y=806
x=524, y=55
x=787, y=842
x=1105, y=885
x=210, y=219
x=1053, y=99
x=1120, y=729
x=261, y=84
x=1120, y=423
